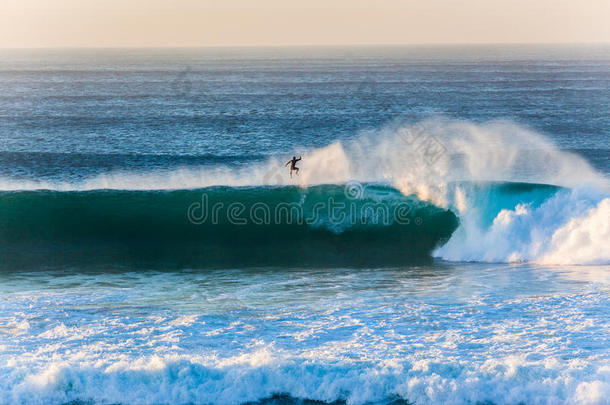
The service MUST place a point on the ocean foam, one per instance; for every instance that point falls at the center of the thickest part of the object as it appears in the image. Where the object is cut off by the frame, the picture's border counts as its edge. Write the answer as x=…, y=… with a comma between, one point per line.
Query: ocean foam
x=499, y=334
x=181, y=379
x=324, y=373
x=571, y=227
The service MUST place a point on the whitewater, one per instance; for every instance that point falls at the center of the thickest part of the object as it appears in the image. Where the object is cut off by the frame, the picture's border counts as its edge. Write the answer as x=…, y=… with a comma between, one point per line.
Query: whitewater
x=432, y=334
x=445, y=333
x=445, y=242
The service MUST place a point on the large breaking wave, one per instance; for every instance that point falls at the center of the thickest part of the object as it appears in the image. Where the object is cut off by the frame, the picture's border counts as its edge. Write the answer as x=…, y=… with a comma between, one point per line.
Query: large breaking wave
x=515, y=195
x=221, y=226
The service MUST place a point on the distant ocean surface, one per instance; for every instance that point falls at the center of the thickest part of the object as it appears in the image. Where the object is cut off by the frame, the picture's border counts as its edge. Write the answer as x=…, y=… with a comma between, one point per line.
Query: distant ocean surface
x=445, y=240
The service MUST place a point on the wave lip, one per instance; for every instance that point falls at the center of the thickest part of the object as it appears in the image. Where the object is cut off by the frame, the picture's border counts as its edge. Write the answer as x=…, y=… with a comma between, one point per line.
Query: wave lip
x=529, y=223
x=262, y=378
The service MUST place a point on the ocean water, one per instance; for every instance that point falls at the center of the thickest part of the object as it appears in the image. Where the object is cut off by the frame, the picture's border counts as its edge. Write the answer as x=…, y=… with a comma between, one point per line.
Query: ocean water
x=445, y=241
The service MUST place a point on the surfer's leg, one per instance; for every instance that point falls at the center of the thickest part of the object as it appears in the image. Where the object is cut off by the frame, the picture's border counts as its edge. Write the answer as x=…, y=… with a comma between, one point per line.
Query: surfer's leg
x=297, y=169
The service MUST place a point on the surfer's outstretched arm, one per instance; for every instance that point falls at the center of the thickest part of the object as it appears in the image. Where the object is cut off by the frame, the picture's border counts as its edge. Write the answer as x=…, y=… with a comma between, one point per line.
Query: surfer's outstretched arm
x=299, y=158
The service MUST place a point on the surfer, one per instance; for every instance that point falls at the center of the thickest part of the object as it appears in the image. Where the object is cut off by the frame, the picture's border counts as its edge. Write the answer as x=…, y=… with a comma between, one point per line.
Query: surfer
x=292, y=162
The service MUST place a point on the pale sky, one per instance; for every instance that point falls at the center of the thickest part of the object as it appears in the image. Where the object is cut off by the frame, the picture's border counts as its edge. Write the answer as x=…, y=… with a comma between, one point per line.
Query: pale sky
x=159, y=23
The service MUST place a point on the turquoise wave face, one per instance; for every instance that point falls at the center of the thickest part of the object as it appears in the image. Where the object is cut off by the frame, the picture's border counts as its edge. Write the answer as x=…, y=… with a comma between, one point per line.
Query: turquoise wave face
x=327, y=225
x=489, y=198
x=221, y=227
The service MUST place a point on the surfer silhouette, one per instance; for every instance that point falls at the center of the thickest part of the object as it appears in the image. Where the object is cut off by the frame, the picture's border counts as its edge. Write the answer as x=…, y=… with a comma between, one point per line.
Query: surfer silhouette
x=292, y=162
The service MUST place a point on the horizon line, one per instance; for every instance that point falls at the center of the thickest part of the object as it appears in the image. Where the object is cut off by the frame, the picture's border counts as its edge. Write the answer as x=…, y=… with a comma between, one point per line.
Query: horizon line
x=284, y=46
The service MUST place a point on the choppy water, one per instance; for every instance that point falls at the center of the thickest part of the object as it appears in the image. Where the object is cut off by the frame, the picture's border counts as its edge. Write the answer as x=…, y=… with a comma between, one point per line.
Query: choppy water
x=464, y=260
